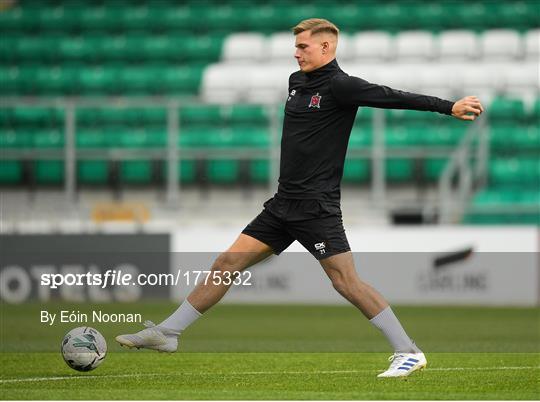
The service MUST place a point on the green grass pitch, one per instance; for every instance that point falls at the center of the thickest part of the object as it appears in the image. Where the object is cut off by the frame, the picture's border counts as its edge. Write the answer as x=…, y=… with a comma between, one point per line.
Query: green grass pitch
x=280, y=352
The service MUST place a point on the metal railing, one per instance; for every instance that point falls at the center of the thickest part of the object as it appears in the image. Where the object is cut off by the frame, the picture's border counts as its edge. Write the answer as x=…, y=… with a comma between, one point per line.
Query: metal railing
x=468, y=165
x=172, y=152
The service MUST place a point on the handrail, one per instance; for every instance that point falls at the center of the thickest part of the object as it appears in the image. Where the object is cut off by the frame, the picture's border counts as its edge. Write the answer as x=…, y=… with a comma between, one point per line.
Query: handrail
x=452, y=204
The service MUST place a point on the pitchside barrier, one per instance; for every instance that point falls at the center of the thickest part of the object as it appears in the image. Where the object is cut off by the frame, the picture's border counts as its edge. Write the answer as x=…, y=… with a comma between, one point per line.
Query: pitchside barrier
x=438, y=265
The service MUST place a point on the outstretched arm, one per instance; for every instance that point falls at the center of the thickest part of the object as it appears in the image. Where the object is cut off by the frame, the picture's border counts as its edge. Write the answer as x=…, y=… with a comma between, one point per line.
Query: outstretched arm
x=353, y=92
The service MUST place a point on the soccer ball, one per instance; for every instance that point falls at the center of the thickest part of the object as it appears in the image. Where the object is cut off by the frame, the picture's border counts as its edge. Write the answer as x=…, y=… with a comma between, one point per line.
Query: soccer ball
x=83, y=348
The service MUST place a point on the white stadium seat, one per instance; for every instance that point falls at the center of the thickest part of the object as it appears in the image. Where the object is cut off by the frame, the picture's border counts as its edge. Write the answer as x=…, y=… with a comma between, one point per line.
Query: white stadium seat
x=414, y=46
x=344, y=51
x=281, y=46
x=523, y=79
x=372, y=45
x=532, y=45
x=222, y=83
x=244, y=46
x=458, y=45
x=501, y=44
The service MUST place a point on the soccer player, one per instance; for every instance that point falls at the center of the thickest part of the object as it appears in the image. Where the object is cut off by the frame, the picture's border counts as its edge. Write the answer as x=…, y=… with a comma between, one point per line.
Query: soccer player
x=319, y=114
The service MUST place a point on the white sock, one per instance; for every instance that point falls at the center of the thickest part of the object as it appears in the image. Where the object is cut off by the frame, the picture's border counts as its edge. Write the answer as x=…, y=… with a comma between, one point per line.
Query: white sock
x=182, y=318
x=388, y=323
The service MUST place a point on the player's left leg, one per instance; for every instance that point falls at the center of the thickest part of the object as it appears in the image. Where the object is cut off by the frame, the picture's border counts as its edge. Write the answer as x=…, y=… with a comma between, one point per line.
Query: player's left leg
x=407, y=357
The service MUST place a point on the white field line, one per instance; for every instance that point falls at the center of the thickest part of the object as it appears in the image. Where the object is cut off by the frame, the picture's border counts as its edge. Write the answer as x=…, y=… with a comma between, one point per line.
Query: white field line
x=134, y=375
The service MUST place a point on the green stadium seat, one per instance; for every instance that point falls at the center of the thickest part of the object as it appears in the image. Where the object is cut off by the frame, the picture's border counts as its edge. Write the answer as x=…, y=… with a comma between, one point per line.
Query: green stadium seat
x=187, y=170
x=56, y=18
x=398, y=170
x=35, y=48
x=194, y=138
x=248, y=115
x=534, y=116
x=205, y=48
x=180, y=80
x=10, y=80
x=360, y=138
x=135, y=171
x=134, y=17
x=510, y=138
x=225, y=18
x=506, y=109
x=222, y=171
x=91, y=138
x=48, y=139
x=201, y=116
x=153, y=116
x=10, y=172
x=402, y=116
x=55, y=80
x=161, y=47
x=31, y=116
x=259, y=170
x=92, y=171
x=137, y=80
x=250, y=137
x=351, y=17
x=176, y=17
x=15, y=139
x=97, y=18
x=98, y=80
x=48, y=171
x=434, y=167
x=514, y=171
x=264, y=18
x=356, y=171
x=401, y=137
x=441, y=136
x=76, y=48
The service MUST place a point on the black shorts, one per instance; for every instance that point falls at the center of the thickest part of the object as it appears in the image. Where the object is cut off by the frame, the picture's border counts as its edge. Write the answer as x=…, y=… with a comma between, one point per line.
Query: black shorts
x=316, y=224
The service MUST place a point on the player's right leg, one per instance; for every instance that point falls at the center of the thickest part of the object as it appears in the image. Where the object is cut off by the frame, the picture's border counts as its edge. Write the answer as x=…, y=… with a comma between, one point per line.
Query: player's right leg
x=245, y=252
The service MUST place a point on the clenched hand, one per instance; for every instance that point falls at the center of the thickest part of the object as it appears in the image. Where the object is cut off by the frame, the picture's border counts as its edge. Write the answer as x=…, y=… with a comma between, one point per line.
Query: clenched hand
x=468, y=108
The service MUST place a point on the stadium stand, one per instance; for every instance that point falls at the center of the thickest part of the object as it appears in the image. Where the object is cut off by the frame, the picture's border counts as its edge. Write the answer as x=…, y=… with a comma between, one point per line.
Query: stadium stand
x=236, y=56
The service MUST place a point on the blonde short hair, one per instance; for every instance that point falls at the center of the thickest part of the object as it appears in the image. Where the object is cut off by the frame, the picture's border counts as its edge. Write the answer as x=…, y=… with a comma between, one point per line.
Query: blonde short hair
x=316, y=25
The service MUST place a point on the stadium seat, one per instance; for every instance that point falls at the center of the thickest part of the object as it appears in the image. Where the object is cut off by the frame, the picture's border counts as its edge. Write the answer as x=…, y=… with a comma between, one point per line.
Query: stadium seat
x=48, y=139
x=356, y=171
x=501, y=44
x=11, y=172
x=433, y=168
x=92, y=171
x=135, y=172
x=243, y=114
x=98, y=80
x=372, y=45
x=19, y=138
x=532, y=45
x=458, y=45
x=222, y=171
x=259, y=170
x=244, y=46
x=280, y=46
x=514, y=171
x=48, y=171
x=414, y=45
x=201, y=116
x=507, y=109
x=399, y=170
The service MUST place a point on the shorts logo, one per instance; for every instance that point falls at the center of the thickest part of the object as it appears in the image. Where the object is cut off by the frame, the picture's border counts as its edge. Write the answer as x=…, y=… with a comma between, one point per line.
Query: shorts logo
x=315, y=101
x=320, y=247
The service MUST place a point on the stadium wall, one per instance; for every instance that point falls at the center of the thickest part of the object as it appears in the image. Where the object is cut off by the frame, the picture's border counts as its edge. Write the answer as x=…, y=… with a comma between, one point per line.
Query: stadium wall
x=452, y=265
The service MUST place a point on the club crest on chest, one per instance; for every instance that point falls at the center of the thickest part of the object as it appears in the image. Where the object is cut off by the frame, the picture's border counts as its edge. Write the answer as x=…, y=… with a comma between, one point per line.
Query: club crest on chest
x=315, y=101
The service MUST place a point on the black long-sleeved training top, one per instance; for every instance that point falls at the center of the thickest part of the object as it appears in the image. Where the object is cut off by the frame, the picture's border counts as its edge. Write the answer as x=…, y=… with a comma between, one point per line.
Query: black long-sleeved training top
x=319, y=115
